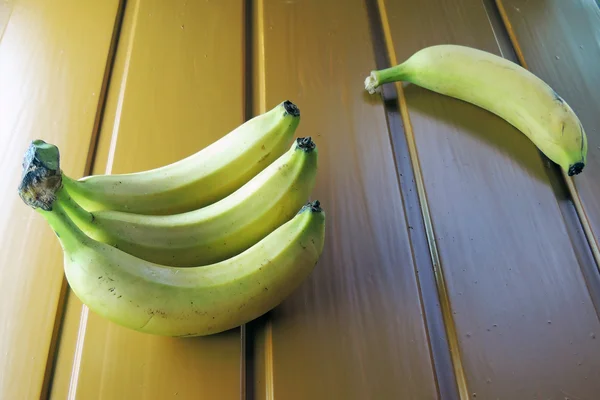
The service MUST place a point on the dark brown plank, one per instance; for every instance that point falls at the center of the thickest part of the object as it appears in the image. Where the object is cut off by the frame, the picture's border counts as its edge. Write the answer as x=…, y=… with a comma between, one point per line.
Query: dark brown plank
x=524, y=320
x=354, y=330
x=559, y=41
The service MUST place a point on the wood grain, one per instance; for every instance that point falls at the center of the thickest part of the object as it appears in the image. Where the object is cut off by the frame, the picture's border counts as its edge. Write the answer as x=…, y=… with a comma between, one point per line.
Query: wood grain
x=177, y=86
x=525, y=323
x=50, y=82
x=354, y=330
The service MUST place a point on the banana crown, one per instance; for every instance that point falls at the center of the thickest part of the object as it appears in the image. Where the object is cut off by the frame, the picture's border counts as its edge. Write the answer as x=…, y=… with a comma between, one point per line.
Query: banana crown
x=41, y=175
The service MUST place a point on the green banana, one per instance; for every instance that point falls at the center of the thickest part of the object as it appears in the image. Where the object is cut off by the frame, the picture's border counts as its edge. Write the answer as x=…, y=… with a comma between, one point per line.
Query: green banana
x=501, y=87
x=215, y=232
x=199, y=179
x=171, y=301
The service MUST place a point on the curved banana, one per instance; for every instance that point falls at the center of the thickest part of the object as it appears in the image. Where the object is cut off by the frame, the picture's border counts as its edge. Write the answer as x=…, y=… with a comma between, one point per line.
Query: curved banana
x=501, y=87
x=199, y=179
x=215, y=232
x=199, y=301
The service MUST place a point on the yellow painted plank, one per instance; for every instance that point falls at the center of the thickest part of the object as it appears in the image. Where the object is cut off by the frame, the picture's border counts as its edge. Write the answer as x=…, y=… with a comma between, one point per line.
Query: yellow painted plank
x=525, y=324
x=560, y=42
x=50, y=83
x=5, y=11
x=177, y=86
x=354, y=329
x=66, y=347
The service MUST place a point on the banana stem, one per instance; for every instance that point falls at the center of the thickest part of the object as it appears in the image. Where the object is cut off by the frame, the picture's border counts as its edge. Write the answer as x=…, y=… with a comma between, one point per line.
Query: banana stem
x=386, y=75
x=70, y=236
x=72, y=185
x=80, y=216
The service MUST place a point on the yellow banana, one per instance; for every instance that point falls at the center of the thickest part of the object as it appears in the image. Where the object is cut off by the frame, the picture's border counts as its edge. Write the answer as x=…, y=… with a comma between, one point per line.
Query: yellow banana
x=215, y=232
x=501, y=87
x=197, y=301
x=166, y=300
x=199, y=179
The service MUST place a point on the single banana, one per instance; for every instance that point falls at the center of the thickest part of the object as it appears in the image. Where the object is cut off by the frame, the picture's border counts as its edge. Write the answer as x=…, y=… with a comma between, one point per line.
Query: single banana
x=215, y=232
x=171, y=301
x=199, y=179
x=501, y=87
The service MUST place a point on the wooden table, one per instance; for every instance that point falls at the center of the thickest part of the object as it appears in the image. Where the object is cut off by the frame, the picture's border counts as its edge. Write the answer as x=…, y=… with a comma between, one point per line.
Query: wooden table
x=459, y=262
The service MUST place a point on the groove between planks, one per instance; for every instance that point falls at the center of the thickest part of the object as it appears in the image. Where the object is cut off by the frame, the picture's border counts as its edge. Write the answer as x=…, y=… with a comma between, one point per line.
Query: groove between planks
x=247, y=337
x=440, y=326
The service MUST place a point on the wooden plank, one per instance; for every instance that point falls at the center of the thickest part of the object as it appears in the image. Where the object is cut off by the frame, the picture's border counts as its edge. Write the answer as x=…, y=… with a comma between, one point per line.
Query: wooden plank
x=354, y=330
x=5, y=11
x=50, y=84
x=559, y=41
x=177, y=86
x=523, y=318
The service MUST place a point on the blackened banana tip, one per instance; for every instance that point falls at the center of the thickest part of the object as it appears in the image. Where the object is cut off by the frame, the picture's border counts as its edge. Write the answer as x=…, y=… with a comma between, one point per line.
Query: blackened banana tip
x=305, y=143
x=311, y=206
x=576, y=168
x=315, y=206
x=291, y=108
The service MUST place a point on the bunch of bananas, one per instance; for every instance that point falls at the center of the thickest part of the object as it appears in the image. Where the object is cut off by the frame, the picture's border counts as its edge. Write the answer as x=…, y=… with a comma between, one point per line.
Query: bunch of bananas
x=193, y=248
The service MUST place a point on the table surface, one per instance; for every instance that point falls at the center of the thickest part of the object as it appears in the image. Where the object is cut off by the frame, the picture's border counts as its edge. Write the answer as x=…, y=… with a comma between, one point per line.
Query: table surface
x=459, y=262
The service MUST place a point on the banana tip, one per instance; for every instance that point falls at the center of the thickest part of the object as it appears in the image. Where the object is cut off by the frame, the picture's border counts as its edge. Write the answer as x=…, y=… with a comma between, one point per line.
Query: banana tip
x=576, y=168
x=305, y=143
x=291, y=108
x=312, y=206
x=315, y=206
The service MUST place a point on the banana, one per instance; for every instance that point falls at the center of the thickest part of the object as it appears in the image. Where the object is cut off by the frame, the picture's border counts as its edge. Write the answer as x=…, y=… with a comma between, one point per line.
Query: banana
x=501, y=87
x=215, y=232
x=198, y=301
x=200, y=179
x=171, y=301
